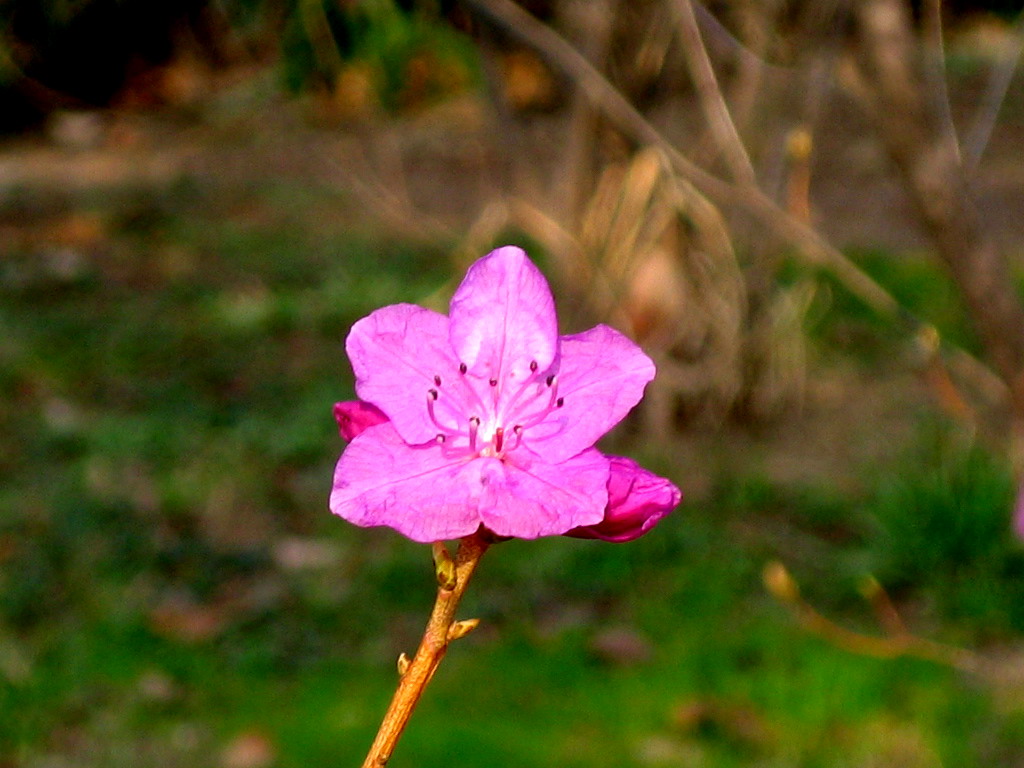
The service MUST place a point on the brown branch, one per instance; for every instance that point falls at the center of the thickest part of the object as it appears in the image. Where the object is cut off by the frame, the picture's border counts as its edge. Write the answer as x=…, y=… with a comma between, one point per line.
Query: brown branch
x=995, y=93
x=935, y=72
x=453, y=578
x=710, y=94
x=898, y=640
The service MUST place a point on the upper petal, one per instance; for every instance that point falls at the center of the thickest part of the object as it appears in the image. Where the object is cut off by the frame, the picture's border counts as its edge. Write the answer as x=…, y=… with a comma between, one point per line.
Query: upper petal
x=526, y=496
x=418, y=490
x=601, y=376
x=503, y=318
x=396, y=353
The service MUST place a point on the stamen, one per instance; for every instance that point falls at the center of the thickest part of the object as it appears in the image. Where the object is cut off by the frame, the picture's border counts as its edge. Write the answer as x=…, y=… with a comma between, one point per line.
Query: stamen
x=474, y=426
x=517, y=430
x=511, y=403
x=431, y=399
x=499, y=439
x=554, y=401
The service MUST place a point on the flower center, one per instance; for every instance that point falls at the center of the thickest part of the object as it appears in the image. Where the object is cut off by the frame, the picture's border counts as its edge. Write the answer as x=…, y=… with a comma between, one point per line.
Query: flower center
x=478, y=418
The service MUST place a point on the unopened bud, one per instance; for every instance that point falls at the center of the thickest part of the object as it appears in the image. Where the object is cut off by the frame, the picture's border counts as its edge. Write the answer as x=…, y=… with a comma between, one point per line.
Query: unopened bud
x=461, y=628
x=778, y=581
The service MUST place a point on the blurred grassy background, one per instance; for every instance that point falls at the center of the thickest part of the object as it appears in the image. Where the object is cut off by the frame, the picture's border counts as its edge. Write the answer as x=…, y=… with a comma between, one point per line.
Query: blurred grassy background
x=174, y=592
x=173, y=586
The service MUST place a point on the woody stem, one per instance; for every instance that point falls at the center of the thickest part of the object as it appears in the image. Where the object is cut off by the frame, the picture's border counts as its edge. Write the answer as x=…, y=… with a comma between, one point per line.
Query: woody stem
x=438, y=634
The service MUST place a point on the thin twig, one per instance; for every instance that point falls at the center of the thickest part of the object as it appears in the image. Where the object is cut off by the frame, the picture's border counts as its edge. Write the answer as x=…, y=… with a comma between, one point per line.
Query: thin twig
x=995, y=94
x=935, y=71
x=710, y=93
x=453, y=578
x=896, y=642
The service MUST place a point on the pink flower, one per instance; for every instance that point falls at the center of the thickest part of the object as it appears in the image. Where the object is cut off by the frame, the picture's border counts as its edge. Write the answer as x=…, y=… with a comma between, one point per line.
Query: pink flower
x=491, y=415
x=637, y=500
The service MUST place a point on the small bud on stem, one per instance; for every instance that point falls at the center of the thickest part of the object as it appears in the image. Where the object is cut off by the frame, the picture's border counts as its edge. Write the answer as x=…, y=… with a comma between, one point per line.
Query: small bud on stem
x=444, y=567
x=462, y=628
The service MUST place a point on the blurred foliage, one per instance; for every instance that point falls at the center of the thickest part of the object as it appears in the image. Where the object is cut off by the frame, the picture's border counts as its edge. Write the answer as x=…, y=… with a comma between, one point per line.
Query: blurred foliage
x=366, y=56
x=944, y=531
x=374, y=51
x=843, y=322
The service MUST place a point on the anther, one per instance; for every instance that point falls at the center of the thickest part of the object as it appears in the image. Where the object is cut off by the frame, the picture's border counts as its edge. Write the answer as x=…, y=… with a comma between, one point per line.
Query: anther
x=462, y=368
x=493, y=382
x=439, y=439
x=437, y=380
x=533, y=366
x=550, y=380
x=432, y=394
x=559, y=402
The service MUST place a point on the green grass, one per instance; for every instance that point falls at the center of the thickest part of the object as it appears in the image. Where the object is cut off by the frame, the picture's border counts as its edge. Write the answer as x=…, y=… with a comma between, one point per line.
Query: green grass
x=166, y=412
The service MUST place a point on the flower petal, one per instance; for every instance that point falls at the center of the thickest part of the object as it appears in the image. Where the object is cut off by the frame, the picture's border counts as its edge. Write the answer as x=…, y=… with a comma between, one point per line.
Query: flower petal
x=601, y=376
x=354, y=416
x=420, y=491
x=527, y=497
x=396, y=352
x=637, y=500
x=503, y=318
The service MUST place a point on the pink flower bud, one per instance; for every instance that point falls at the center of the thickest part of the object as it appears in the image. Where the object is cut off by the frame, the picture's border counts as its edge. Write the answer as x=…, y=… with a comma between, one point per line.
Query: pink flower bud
x=353, y=416
x=637, y=500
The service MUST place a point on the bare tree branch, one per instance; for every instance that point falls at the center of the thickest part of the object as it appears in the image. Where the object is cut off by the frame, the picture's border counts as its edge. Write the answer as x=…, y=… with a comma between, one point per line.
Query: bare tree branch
x=626, y=118
x=935, y=72
x=815, y=249
x=888, y=81
x=995, y=94
x=710, y=94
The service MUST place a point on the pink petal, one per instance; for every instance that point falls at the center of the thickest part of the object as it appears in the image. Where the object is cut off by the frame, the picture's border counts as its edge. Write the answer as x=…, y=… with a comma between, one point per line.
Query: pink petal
x=396, y=352
x=503, y=318
x=527, y=497
x=418, y=490
x=601, y=376
x=637, y=500
x=353, y=416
